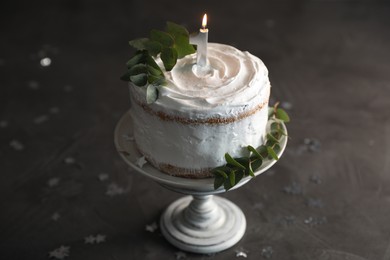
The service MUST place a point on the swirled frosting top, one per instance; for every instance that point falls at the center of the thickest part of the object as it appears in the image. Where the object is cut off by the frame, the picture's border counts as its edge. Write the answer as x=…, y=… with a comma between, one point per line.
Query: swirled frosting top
x=235, y=81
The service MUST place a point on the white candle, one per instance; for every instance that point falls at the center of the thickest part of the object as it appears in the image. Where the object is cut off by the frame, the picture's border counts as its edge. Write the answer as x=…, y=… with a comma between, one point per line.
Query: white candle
x=200, y=40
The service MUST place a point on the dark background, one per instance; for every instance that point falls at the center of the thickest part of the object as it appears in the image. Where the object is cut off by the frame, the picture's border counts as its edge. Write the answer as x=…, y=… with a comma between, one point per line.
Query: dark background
x=329, y=63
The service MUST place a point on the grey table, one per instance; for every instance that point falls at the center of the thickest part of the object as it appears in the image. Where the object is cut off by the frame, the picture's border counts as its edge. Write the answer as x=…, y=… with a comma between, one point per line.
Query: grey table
x=64, y=189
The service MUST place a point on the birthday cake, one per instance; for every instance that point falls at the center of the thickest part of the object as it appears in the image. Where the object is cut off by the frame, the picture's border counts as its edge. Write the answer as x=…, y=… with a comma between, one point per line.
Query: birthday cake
x=202, y=114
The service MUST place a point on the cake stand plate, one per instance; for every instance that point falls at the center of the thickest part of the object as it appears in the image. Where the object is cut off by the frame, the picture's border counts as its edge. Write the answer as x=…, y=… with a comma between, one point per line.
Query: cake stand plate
x=201, y=223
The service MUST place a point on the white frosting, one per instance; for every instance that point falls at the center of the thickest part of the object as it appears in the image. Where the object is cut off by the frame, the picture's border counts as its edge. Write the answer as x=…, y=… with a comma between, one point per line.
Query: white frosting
x=234, y=86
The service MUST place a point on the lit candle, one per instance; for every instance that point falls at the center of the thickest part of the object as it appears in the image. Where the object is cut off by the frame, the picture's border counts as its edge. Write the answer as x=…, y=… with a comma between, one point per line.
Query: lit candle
x=200, y=40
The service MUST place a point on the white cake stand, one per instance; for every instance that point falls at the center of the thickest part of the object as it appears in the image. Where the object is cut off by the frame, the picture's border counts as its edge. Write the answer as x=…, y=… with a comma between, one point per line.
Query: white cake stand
x=201, y=223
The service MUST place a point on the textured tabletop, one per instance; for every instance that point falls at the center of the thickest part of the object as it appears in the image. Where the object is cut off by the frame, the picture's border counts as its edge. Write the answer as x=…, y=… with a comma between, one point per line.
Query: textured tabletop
x=67, y=194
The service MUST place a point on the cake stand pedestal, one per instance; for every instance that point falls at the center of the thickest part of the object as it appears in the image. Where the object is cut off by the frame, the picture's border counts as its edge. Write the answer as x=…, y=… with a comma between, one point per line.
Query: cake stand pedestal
x=200, y=223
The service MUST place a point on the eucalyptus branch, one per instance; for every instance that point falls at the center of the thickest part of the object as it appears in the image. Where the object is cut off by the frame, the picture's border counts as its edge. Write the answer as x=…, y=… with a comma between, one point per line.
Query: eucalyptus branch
x=168, y=45
x=236, y=168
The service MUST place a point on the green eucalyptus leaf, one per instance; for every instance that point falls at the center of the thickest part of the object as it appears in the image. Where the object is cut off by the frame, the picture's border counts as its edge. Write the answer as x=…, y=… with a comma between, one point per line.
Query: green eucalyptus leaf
x=242, y=160
x=183, y=46
x=220, y=173
x=138, y=58
x=272, y=153
x=184, y=50
x=151, y=62
x=256, y=163
x=282, y=132
x=153, y=71
x=153, y=47
x=239, y=176
x=223, y=168
x=176, y=30
x=138, y=69
x=165, y=39
x=151, y=94
x=232, y=178
x=218, y=181
x=154, y=79
x=139, y=43
x=169, y=58
x=139, y=80
x=274, y=126
x=278, y=132
x=263, y=151
x=254, y=151
x=270, y=143
x=227, y=185
x=245, y=161
x=232, y=161
x=276, y=148
x=282, y=115
x=272, y=138
x=182, y=39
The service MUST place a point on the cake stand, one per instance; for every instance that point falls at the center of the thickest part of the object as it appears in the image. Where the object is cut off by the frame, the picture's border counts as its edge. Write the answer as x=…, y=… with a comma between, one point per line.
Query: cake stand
x=201, y=222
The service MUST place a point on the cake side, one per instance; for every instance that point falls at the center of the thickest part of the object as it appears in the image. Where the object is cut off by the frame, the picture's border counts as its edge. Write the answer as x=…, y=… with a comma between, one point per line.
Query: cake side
x=191, y=148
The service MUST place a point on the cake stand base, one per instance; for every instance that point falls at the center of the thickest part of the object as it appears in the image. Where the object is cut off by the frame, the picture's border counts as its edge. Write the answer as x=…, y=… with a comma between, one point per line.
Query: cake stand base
x=203, y=224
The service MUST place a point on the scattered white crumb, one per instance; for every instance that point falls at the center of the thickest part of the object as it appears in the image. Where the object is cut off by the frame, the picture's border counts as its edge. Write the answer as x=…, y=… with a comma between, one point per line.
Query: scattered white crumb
x=56, y=216
x=103, y=176
x=152, y=227
x=34, y=85
x=54, y=110
x=52, y=182
x=69, y=160
x=314, y=221
x=68, y=88
x=41, y=119
x=315, y=179
x=3, y=124
x=60, y=253
x=314, y=203
x=45, y=62
x=241, y=253
x=91, y=239
x=270, y=23
x=267, y=252
x=293, y=188
x=113, y=189
x=17, y=145
x=100, y=238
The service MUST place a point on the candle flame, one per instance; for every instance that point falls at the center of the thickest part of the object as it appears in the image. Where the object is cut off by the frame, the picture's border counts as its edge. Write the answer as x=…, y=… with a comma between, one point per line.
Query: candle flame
x=204, y=21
